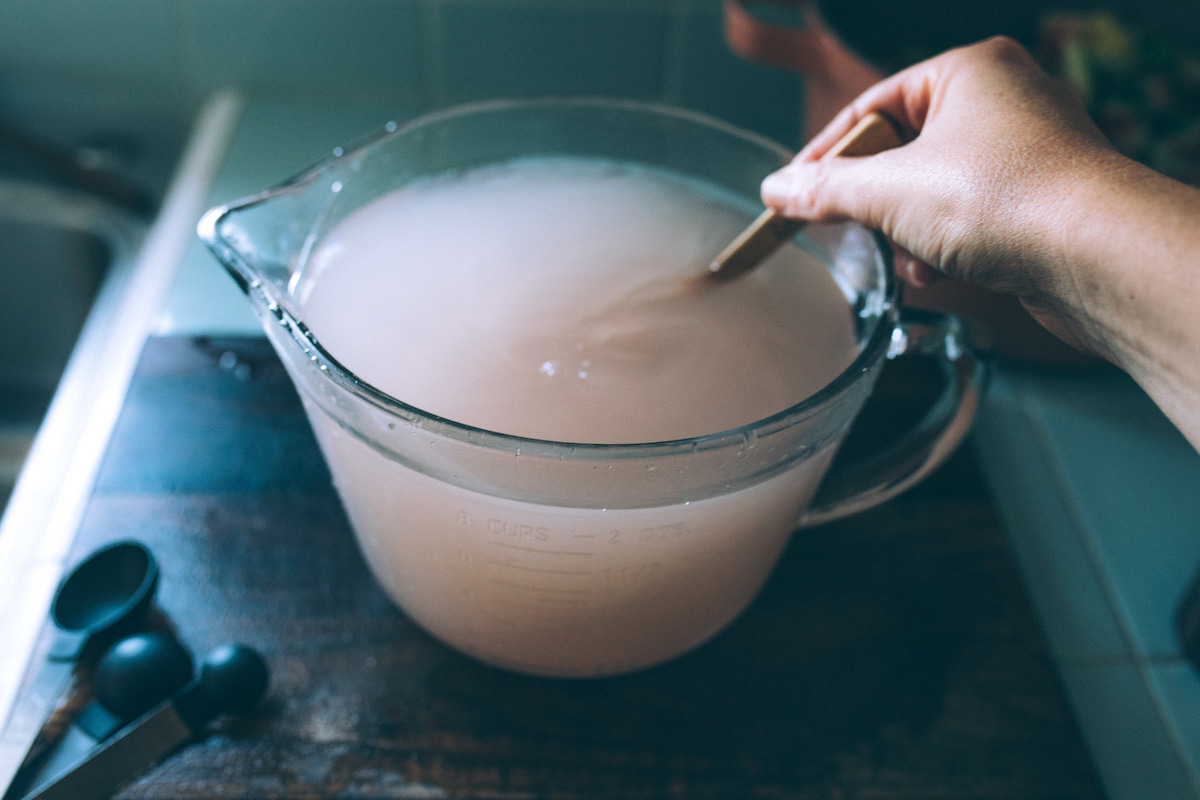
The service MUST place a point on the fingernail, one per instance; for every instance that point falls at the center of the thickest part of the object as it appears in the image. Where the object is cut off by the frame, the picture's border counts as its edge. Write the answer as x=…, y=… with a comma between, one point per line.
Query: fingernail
x=775, y=186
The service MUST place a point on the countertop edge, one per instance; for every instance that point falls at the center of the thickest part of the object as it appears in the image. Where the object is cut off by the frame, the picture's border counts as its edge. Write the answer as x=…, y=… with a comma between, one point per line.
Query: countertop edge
x=1103, y=667
x=50, y=496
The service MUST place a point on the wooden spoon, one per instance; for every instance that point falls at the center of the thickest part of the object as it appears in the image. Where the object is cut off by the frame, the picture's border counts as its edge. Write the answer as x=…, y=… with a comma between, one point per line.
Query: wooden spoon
x=873, y=134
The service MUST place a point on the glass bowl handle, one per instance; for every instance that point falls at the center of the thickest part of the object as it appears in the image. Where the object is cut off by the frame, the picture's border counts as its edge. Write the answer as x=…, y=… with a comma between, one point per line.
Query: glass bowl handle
x=854, y=487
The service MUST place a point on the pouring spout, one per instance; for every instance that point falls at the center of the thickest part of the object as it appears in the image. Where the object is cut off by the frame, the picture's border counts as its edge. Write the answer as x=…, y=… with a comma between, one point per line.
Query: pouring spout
x=228, y=257
x=261, y=240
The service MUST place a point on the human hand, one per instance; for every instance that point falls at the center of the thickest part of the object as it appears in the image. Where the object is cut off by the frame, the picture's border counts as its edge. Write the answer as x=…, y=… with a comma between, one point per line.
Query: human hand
x=980, y=192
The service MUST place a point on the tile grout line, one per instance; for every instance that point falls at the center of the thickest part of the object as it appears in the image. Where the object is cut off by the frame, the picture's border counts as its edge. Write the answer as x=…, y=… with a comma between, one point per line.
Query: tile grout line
x=433, y=89
x=673, y=53
x=185, y=35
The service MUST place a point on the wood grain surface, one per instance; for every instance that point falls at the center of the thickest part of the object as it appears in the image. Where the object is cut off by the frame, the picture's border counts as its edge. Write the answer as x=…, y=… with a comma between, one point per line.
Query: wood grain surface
x=892, y=655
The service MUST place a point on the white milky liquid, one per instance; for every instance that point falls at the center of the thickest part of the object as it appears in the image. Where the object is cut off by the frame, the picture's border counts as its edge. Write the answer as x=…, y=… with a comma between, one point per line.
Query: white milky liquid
x=548, y=299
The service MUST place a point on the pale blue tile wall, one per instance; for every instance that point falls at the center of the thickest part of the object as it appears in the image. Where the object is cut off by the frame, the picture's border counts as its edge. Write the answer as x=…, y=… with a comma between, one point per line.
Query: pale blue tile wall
x=490, y=51
x=68, y=66
x=317, y=48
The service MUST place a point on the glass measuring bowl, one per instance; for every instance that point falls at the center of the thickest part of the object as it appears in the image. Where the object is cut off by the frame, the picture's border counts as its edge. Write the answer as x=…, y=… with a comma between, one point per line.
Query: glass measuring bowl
x=559, y=558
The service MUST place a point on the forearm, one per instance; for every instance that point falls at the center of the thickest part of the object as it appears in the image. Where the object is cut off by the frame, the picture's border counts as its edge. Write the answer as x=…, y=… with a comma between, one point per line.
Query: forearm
x=1133, y=247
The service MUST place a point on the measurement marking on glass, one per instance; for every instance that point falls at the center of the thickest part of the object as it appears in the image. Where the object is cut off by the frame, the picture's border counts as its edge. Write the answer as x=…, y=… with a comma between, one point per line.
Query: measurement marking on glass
x=546, y=570
x=538, y=549
x=540, y=603
x=526, y=625
x=538, y=589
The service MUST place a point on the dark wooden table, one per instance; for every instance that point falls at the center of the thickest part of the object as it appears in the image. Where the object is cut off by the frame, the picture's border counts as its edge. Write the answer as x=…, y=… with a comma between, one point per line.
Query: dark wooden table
x=892, y=655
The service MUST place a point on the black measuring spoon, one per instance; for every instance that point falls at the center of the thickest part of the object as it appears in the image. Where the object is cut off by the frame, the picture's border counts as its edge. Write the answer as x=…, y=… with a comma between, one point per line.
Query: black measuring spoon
x=106, y=594
x=133, y=676
x=233, y=679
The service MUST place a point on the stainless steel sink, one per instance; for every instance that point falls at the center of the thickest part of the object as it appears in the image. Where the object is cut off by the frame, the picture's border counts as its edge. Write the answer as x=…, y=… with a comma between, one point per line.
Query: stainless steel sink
x=58, y=251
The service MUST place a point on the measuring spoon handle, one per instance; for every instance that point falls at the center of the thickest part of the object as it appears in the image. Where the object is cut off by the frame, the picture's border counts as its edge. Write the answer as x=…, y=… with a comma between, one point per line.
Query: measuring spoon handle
x=18, y=743
x=233, y=680
x=107, y=768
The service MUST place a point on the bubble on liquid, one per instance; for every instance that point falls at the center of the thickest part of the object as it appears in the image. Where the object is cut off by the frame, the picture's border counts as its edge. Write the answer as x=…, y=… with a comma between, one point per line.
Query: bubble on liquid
x=549, y=368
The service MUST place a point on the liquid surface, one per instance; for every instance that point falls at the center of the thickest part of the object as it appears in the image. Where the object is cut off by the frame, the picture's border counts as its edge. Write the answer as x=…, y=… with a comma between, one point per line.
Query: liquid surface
x=552, y=298
x=556, y=299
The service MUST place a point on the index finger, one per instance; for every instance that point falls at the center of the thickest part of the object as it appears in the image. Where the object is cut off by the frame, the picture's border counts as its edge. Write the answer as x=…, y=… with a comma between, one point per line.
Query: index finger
x=904, y=98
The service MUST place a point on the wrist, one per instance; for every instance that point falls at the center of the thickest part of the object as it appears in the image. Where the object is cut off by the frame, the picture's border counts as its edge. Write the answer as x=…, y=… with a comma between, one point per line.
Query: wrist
x=1131, y=257
x=1088, y=222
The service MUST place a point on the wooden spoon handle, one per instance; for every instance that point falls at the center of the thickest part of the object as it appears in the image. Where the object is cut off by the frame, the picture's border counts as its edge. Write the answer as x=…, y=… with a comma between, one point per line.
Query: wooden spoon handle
x=873, y=134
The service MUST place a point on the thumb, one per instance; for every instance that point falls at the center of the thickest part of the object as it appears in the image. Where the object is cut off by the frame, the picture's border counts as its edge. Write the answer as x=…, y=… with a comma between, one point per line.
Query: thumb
x=824, y=191
x=871, y=190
